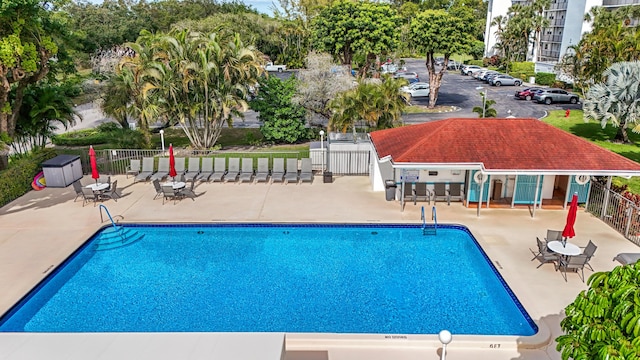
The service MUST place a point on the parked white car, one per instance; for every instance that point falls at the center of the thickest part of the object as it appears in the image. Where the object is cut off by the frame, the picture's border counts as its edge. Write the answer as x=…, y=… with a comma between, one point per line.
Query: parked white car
x=272, y=67
x=419, y=89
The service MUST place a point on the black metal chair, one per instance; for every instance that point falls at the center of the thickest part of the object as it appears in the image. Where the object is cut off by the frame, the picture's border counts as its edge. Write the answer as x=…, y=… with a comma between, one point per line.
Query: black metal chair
x=77, y=187
x=111, y=193
x=89, y=195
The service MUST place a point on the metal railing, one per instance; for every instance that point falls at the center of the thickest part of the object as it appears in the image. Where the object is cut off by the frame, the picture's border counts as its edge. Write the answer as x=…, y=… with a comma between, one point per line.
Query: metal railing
x=340, y=162
x=617, y=211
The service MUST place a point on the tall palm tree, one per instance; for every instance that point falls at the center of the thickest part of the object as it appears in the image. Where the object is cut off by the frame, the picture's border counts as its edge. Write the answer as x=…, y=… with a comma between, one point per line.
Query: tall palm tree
x=617, y=99
x=202, y=81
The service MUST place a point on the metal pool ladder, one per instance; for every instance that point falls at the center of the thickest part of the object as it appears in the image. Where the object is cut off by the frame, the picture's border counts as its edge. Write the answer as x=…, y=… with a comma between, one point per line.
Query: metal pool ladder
x=428, y=230
x=117, y=236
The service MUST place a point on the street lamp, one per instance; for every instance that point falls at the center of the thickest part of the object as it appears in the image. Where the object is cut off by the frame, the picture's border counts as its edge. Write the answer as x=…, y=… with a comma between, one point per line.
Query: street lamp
x=484, y=98
x=322, y=148
x=445, y=338
x=162, y=139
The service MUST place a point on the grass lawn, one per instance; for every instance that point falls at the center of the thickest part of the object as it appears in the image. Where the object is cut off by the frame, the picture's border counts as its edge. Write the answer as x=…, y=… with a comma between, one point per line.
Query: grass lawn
x=594, y=132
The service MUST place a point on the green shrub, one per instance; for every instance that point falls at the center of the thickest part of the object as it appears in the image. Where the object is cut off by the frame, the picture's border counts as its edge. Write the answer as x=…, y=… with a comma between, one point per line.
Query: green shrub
x=522, y=70
x=474, y=62
x=16, y=180
x=107, y=133
x=546, y=79
x=80, y=138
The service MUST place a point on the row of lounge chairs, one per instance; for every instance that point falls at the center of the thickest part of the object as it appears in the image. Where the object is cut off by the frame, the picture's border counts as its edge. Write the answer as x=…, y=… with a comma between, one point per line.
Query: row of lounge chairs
x=419, y=191
x=215, y=169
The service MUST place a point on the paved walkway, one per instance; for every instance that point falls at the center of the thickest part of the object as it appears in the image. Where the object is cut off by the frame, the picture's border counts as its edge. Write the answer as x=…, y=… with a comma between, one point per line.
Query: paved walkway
x=39, y=230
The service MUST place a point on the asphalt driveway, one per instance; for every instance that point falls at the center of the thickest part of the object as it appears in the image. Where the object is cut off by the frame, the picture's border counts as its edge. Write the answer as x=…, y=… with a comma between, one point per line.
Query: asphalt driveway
x=460, y=91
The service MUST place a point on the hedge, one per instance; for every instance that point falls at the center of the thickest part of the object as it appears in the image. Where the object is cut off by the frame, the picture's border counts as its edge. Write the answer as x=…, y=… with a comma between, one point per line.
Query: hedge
x=546, y=79
x=81, y=138
x=16, y=180
x=522, y=70
x=475, y=62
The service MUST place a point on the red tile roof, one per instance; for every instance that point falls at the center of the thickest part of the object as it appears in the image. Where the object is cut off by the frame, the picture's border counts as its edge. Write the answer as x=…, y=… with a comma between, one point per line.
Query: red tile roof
x=499, y=144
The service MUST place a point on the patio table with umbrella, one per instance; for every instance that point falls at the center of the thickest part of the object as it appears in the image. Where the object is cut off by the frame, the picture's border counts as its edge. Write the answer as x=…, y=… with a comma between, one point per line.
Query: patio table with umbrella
x=562, y=247
x=172, y=171
x=95, y=174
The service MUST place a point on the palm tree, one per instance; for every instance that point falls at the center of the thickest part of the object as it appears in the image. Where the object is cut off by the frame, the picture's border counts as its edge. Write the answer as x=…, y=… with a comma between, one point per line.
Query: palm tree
x=485, y=110
x=617, y=99
x=202, y=81
x=379, y=105
x=43, y=106
x=116, y=99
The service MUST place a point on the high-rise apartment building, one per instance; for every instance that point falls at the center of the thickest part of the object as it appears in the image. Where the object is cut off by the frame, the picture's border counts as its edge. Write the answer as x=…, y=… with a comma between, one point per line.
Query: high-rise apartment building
x=566, y=25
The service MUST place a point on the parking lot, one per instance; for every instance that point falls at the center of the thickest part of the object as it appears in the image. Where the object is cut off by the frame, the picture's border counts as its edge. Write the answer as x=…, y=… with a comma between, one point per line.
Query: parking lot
x=460, y=91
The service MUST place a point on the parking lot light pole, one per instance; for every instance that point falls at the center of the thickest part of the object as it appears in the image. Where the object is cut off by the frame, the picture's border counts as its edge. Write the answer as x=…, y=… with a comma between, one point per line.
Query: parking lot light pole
x=484, y=99
x=162, y=139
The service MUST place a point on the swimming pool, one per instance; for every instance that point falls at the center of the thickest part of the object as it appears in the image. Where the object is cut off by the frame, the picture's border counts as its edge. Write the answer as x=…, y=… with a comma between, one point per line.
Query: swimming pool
x=381, y=279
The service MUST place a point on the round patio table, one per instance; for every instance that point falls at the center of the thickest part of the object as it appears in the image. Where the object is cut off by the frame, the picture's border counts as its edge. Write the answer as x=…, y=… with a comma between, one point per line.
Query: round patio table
x=567, y=249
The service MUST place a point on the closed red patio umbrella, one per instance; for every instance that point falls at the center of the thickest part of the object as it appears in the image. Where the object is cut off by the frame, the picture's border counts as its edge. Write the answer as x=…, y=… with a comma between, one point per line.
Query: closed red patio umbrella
x=172, y=163
x=568, y=231
x=94, y=164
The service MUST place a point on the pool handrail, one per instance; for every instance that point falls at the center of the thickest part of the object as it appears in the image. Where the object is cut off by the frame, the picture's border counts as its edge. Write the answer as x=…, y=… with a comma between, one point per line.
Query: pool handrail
x=434, y=217
x=108, y=214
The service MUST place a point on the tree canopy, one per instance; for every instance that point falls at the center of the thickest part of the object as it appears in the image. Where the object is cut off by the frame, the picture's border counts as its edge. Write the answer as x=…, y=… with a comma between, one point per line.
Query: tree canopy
x=346, y=28
x=441, y=32
x=27, y=46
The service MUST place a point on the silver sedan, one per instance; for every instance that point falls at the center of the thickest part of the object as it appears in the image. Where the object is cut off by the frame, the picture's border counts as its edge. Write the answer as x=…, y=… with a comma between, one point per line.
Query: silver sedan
x=505, y=80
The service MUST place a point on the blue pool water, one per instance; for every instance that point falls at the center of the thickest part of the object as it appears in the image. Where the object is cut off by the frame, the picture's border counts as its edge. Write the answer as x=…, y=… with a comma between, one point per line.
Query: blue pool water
x=388, y=279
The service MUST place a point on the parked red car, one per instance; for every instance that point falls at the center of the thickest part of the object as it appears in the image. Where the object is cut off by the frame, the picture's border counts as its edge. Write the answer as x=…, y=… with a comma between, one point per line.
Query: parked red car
x=526, y=94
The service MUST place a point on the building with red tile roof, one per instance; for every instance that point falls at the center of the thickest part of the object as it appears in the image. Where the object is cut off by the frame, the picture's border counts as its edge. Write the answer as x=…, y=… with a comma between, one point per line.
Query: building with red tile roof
x=526, y=158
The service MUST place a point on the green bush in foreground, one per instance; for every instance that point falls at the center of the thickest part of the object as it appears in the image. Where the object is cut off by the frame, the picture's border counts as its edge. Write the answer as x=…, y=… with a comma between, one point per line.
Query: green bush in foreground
x=546, y=79
x=16, y=180
x=603, y=322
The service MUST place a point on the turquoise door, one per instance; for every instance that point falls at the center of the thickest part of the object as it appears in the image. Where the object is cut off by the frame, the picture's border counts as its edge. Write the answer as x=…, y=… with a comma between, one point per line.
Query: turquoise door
x=526, y=189
x=474, y=191
x=582, y=190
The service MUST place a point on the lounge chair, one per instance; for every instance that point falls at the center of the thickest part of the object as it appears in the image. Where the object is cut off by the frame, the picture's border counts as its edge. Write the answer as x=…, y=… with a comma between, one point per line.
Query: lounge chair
x=306, y=170
x=156, y=185
x=134, y=168
x=455, y=191
x=147, y=170
x=573, y=263
x=111, y=193
x=233, y=171
x=440, y=192
x=543, y=254
x=163, y=169
x=169, y=193
x=77, y=187
x=421, y=192
x=207, y=169
x=180, y=166
x=409, y=193
x=589, y=250
x=88, y=195
x=627, y=258
x=292, y=171
x=277, y=174
x=219, y=169
x=247, y=170
x=194, y=169
x=263, y=170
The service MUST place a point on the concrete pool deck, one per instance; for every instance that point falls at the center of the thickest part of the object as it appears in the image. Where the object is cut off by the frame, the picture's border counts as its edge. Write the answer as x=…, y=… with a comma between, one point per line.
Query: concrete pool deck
x=39, y=230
